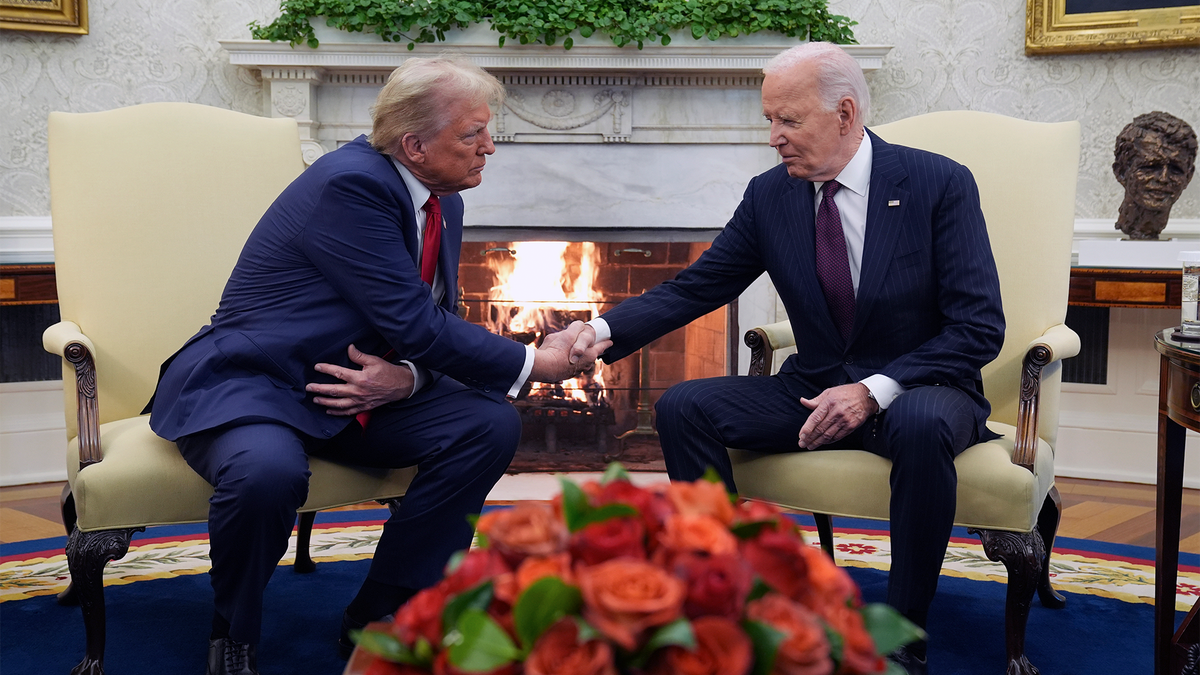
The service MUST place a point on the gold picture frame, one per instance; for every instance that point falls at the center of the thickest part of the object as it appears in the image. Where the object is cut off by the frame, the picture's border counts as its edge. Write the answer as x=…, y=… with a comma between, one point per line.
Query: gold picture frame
x=52, y=16
x=1050, y=29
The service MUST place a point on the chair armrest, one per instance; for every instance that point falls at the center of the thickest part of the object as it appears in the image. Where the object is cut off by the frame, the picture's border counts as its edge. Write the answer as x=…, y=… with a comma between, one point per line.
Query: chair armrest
x=1057, y=343
x=1062, y=342
x=56, y=338
x=764, y=340
x=65, y=339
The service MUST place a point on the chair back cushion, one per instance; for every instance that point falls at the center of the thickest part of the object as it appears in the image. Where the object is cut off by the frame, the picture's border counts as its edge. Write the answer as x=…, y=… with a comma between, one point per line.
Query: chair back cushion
x=1026, y=173
x=151, y=205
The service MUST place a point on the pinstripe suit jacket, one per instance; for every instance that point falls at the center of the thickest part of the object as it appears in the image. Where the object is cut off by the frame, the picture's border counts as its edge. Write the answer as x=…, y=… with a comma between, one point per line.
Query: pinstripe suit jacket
x=332, y=262
x=928, y=306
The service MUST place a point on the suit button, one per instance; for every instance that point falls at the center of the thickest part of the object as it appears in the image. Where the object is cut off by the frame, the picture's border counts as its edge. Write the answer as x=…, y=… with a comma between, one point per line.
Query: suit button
x=849, y=359
x=487, y=389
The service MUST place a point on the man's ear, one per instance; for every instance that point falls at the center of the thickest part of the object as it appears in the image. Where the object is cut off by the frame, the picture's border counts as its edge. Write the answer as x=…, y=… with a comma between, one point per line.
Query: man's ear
x=847, y=113
x=412, y=148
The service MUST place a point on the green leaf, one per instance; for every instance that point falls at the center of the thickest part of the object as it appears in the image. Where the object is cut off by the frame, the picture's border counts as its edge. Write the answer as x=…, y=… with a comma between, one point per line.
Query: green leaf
x=541, y=605
x=480, y=644
x=678, y=633
x=766, y=641
x=478, y=598
x=615, y=470
x=710, y=474
x=888, y=628
x=600, y=514
x=586, y=631
x=758, y=589
x=384, y=645
x=575, y=504
x=750, y=529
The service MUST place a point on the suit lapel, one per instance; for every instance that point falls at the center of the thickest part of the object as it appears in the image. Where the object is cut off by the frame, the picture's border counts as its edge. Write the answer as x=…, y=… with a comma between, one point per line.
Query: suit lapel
x=452, y=217
x=887, y=202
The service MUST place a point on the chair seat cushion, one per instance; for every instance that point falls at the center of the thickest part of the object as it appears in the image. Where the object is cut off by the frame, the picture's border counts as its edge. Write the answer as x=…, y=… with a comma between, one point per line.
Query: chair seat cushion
x=993, y=493
x=144, y=481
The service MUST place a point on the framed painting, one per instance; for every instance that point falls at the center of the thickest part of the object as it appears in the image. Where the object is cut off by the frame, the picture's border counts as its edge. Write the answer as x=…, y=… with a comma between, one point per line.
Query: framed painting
x=52, y=16
x=1071, y=26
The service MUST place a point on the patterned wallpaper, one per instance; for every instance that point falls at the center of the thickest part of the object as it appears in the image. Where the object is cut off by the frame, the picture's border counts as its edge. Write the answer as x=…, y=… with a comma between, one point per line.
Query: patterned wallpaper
x=948, y=54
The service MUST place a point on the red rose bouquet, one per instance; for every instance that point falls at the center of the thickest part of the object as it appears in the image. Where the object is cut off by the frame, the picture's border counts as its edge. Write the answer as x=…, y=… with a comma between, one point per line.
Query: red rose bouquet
x=613, y=578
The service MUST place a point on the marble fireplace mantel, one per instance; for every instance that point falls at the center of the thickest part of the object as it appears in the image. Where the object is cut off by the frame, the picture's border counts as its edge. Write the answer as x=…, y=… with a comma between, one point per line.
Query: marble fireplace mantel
x=597, y=137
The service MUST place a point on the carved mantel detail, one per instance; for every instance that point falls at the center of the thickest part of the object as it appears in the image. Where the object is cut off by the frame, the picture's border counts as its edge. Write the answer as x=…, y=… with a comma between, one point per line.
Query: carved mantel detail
x=692, y=91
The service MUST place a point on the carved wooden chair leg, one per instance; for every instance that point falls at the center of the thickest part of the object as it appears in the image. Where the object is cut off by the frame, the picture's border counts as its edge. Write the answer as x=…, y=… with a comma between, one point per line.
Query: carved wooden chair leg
x=825, y=531
x=304, y=563
x=66, y=503
x=87, y=554
x=1022, y=554
x=1048, y=520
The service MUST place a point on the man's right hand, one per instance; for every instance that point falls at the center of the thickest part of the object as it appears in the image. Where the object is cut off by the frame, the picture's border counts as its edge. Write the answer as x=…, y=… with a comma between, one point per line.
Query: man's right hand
x=566, y=354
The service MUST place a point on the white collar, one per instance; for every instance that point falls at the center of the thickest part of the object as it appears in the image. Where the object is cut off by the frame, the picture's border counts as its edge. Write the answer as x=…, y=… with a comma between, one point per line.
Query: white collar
x=416, y=189
x=856, y=176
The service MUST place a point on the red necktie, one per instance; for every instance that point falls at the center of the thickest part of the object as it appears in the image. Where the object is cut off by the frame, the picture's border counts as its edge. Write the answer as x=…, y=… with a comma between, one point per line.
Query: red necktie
x=432, y=241
x=833, y=262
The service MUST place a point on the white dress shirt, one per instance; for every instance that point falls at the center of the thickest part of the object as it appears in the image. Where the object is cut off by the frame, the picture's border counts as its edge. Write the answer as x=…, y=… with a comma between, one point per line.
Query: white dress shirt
x=420, y=194
x=851, y=201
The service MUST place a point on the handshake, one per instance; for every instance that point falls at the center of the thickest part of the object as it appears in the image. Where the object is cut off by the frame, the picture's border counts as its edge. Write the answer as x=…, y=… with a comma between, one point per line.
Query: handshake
x=567, y=353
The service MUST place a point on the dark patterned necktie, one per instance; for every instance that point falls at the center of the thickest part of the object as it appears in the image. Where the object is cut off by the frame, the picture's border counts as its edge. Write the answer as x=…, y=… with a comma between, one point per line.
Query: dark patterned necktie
x=833, y=262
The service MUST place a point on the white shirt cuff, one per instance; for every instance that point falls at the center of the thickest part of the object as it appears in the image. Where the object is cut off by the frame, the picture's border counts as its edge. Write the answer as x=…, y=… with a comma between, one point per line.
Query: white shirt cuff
x=420, y=377
x=883, y=388
x=603, y=332
x=525, y=371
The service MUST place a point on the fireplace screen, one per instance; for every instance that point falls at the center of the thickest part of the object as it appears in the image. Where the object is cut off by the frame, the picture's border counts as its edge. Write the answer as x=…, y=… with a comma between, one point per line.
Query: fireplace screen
x=527, y=289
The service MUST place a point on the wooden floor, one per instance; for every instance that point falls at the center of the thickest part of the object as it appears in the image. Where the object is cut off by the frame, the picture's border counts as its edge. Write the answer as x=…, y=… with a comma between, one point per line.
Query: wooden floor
x=1121, y=513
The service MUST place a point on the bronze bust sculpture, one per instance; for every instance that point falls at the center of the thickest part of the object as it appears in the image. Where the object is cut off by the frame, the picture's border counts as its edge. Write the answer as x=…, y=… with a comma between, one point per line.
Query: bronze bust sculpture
x=1155, y=160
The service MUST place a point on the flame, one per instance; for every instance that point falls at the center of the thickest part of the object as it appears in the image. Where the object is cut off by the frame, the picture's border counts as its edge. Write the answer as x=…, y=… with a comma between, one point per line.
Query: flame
x=541, y=288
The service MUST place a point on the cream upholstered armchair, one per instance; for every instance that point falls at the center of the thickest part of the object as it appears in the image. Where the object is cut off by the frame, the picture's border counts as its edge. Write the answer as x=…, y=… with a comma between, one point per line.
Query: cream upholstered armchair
x=1026, y=173
x=151, y=205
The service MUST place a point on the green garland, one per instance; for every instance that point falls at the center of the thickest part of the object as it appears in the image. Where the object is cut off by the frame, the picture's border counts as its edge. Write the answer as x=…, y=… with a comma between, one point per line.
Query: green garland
x=548, y=21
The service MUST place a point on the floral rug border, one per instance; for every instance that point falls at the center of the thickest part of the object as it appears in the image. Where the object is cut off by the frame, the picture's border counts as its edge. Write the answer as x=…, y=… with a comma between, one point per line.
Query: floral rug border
x=1111, y=577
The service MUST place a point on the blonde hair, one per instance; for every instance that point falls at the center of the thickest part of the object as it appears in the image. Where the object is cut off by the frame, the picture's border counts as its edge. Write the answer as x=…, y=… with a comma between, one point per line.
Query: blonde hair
x=416, y=96
x=838, y=74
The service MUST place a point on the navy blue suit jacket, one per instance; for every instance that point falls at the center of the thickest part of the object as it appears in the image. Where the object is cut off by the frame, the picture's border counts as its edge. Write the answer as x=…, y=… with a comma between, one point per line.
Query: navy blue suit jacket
x=333, y=261
x=928, y=306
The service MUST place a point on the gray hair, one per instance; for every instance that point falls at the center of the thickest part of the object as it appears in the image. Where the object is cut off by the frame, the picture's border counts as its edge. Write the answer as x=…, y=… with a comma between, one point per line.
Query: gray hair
x=416, y=95
x=838, y=74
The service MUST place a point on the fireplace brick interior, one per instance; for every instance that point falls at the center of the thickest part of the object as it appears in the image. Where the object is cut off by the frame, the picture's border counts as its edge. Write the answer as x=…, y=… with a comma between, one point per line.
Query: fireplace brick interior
x=624, y=269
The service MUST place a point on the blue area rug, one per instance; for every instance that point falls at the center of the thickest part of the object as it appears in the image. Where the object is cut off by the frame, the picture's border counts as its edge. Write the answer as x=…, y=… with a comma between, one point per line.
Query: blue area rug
x=160, y=625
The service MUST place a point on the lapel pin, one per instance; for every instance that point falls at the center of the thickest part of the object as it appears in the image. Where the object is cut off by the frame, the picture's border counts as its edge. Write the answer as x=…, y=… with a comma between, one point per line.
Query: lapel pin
x=893, y=202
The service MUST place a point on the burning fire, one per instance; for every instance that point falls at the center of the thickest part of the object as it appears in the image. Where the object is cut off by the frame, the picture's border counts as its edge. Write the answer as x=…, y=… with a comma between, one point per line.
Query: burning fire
x=541, y=287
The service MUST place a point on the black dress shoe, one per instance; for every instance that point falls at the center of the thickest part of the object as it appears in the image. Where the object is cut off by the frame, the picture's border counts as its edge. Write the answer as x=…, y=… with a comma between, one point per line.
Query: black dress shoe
x=227, y=656
x=908, y=661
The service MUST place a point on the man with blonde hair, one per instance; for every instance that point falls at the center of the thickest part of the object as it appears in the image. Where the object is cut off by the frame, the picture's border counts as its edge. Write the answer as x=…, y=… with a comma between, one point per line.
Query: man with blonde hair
x=337, y=335
x=880, y=254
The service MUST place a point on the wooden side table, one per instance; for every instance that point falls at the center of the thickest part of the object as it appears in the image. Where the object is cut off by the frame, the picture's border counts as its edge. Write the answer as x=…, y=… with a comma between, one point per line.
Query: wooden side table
x=27, y=285
x=1178, y=411
x=1125, y=287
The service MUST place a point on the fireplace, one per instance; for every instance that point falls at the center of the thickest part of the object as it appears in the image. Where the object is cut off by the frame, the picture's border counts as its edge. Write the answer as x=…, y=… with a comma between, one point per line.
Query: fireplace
x=525, y=288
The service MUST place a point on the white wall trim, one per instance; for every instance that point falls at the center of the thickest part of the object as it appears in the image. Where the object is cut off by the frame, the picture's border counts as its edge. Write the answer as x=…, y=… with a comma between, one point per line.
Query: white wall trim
x=26, y=240
x=33, y=435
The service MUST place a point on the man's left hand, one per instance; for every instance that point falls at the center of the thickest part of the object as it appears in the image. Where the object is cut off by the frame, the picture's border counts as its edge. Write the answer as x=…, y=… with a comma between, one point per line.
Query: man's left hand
x=378, y=383
x=835, y=413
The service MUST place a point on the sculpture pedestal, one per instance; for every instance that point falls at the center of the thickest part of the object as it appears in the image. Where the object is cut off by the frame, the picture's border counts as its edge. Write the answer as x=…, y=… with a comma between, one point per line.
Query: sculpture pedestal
x=1162, y=254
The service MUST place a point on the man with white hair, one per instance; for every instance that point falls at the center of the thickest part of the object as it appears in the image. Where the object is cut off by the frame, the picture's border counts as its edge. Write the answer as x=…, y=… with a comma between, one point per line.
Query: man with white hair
x=880, y=255
x=337, y=335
